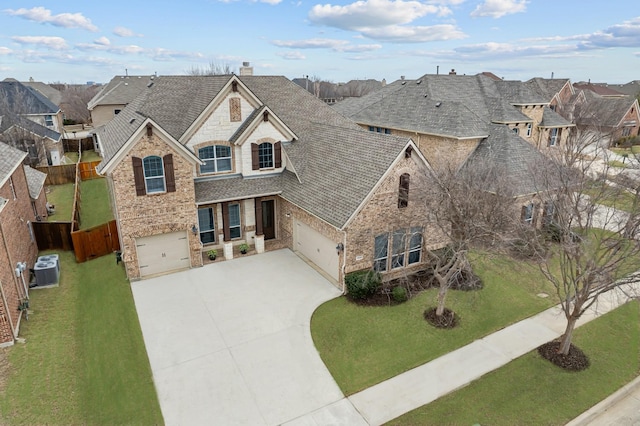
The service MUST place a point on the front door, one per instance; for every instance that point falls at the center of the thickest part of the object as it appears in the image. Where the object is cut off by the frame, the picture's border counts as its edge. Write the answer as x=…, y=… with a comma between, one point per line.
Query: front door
x=268, y=219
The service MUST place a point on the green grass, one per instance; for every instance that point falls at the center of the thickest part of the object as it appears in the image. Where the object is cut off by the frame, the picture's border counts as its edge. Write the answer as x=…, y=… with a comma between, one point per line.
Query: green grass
x=88, y=156
x=70, y=158
x=95, y=208
x=532, y=391
x=621, y=151
x=618, y=164
x=363, y=346
x=612, y=197
x=61, y=196
x=84, y=360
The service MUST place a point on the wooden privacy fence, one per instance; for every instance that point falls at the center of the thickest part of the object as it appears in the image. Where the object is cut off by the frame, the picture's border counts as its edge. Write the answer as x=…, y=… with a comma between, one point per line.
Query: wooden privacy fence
x=77, y=145
x=88, y=170
x=53, y=235
x=95, y=242
x=59, y=175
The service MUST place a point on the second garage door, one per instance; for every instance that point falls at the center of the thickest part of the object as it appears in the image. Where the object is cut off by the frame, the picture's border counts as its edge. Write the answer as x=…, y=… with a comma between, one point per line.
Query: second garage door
x=317, y=248
x=163, y=253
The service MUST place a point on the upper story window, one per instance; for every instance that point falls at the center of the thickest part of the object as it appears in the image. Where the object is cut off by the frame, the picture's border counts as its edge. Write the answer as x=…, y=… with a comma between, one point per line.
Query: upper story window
x=48, y=120
x=403, y=190
x=379, y=130
x=153, y=174
x=527, y=213
x=554, y=136
x=217, y=158
x=265, y=155
x=516, y=130
x=529, y=129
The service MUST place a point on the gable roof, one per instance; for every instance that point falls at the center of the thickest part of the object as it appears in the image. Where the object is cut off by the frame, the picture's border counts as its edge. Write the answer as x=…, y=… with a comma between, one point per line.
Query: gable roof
x=24, y=100
x=598, y=89
x=51, y=93
x=35, y=181
x=600, y=111
x=547, y=88
x=121, y=90
x=9, y=121
x=10, y=159
x=551, y=118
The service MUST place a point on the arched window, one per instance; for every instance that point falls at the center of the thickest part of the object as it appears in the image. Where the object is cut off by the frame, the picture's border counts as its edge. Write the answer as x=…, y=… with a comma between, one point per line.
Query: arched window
x=217, y=158
x=403, y=190
x=265, y=155
x=153, y=174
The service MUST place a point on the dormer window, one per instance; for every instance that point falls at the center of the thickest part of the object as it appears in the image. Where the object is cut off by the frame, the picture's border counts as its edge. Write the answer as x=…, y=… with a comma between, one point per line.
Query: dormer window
x=265, y=155
x=217, y=159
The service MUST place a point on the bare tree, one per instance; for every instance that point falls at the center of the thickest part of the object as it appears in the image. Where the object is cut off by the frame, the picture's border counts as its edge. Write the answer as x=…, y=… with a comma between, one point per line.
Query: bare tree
x=213, y=68
x=591, y=246
x=74, y=102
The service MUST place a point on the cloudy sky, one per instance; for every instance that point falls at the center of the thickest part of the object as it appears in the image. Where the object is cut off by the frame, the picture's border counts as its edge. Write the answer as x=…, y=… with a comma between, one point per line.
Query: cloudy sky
x=338, y=40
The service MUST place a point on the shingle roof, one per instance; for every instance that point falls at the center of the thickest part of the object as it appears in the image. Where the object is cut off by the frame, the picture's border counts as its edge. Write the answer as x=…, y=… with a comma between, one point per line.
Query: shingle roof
x=600, y=111
x=518, y=93
x=551, y=118
x=546, y=88
x=330, y=151
x=10, y=158
x=121, y=90
x=510, y=157
x=598, y=89
x=21, y=99
x=36, y=128
x=35, y=181
x=54, y=95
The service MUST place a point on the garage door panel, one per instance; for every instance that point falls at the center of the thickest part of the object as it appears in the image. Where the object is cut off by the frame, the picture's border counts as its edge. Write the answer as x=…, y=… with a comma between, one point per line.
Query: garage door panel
x=317, y=248
x=163, y=253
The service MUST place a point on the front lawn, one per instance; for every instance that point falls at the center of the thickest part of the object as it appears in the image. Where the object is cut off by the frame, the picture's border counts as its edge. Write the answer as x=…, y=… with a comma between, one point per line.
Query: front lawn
x=532, y=391
x=363, y=346
x=95, y=208
x=84, y=360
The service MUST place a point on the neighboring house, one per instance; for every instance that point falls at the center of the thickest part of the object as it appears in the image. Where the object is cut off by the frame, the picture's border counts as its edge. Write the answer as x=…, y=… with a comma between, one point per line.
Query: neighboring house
x=43, y=145
x=631, y=88
x=454, y=120
x=27, y=102
x=21, y=196
x=600, y=90
x=115, y=96
x=211, y=162
x=51, y=93
x=556, y=91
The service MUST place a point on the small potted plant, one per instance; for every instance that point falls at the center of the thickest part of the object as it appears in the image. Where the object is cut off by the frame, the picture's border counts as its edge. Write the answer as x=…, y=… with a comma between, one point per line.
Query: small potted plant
x=213, y=253
x=244, y=247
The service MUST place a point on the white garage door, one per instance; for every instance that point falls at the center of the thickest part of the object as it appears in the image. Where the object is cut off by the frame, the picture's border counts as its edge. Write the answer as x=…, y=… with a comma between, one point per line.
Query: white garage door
x=317, y=248
x=163, y=253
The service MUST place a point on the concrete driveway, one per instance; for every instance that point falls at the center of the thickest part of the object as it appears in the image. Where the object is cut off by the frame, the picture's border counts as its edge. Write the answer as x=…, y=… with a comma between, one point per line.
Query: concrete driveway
x=230, y=344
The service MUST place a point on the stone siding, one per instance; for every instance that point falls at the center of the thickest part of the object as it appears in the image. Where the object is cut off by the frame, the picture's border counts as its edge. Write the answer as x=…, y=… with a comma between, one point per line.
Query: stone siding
x=146, y=215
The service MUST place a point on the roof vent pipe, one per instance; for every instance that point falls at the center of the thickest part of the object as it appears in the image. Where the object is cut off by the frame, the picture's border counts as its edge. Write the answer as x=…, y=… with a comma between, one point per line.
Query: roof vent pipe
x=452, y=72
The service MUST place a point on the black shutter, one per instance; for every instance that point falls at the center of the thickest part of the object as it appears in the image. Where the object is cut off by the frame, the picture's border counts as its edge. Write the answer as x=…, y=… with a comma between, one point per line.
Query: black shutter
x=255, y=159
x=169, y=176
x=225, y=221
x=259, y=224
x=277, y=154
x=138, y=175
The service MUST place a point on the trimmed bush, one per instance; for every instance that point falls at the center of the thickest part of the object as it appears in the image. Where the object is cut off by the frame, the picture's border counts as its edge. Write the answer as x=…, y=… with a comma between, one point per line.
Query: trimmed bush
x=399, y=294
x=362, y=284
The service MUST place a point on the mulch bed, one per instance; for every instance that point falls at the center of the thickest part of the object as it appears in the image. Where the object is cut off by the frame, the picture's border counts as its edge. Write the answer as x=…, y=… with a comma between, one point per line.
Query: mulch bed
x=576, y=360
x=448, y=319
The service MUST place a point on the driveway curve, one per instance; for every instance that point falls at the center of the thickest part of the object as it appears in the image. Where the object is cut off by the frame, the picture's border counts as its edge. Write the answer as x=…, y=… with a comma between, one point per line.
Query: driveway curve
x=230, y=344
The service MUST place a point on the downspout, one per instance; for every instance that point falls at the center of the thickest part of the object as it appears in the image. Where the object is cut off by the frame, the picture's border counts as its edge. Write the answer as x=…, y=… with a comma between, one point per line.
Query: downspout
x=344, y=259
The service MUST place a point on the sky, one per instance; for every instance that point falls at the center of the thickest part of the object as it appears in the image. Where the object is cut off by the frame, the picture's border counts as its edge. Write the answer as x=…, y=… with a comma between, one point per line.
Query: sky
x=334, y=40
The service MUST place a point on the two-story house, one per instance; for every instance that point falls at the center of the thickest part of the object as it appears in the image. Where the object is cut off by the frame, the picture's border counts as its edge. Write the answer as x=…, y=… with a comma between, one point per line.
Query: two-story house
x=457, y=119
x=212, y=162
x=22, y=201
x=114, y=96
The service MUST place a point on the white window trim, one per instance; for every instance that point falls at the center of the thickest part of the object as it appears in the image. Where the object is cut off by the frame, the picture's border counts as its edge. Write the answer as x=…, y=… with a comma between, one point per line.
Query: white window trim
x=239, y=225
x=528, y=218
x=207, y=231
x=215, y=159
x=553, y=136
x=529, y=129
x=273, y=159
x=146, y=178
x=376, y=258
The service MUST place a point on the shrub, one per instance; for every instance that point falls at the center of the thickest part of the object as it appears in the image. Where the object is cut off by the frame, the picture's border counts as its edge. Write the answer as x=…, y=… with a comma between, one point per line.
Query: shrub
x=362, y=284
x=399, y=294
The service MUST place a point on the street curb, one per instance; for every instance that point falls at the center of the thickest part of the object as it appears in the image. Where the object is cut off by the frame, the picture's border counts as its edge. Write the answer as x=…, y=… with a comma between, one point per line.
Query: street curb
x=588, y=416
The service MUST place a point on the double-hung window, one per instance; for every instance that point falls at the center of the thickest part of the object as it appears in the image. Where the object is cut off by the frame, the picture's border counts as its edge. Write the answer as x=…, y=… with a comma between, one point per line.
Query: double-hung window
x=153, y=174
x=48, y=120
x=398, y=249
x=234, y=221
x=554, y=135
x=406, y=249
x=265, y=155
x=206, y=225
x=415, y=245
x=217, y=158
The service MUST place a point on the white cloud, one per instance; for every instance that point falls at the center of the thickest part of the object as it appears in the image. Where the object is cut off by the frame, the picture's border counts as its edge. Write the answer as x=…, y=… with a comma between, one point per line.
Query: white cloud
x=44, y=16
x=125, y=32
x=409, y=34
x=5, y=50
x=373, y=13
x=55, y=43
x=294, y=56
x=326, y=43
x=108, y=47
x=161, y=54
x=357, y=48
x=499, y=8
x=102, y=41
x=626, y=34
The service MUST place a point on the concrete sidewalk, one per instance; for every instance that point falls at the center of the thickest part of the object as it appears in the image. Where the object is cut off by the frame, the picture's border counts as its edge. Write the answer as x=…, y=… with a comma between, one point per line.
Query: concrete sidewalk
x=426, y=383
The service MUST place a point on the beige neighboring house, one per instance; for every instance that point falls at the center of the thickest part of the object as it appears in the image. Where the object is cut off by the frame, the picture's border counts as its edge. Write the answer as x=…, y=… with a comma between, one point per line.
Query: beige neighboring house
x=115, y=96
x=196, y=163
x=458, y=120
x=27, y=102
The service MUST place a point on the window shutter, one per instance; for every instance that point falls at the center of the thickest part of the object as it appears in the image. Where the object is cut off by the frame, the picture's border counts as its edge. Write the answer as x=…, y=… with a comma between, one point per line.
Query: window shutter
x=225, y=221
x=277, y=155
x=169, y=176
x=138, y=175
x=255, y=160
x=259, y=224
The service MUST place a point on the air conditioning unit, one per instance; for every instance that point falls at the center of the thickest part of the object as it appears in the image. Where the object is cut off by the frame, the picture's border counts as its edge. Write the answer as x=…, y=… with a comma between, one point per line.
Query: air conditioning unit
x=46, y=273
x=50, y=258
